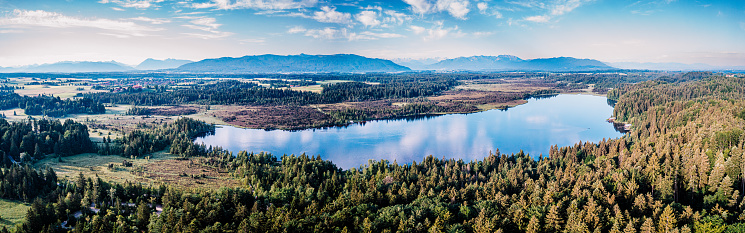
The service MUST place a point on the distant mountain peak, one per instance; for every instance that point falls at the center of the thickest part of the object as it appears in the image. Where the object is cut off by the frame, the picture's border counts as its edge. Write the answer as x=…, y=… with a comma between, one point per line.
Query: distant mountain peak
x=154, y=64
x=301, y=63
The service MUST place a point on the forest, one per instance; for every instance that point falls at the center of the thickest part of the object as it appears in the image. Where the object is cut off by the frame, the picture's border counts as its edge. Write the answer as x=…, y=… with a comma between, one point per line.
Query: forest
x=680, y=169
x=36, y=138
x=45, y=105
x=237, y=92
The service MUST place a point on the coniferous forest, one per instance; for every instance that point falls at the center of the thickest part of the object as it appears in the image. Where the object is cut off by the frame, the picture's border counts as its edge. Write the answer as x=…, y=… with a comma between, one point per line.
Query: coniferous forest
x=681, y=168
x=48, y=105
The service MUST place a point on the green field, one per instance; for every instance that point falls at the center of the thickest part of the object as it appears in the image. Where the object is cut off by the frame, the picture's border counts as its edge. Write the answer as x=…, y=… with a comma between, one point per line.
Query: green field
x=12, y=213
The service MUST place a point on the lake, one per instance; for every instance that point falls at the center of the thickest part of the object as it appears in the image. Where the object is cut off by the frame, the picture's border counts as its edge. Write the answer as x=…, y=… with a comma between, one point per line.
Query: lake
x=533, y=127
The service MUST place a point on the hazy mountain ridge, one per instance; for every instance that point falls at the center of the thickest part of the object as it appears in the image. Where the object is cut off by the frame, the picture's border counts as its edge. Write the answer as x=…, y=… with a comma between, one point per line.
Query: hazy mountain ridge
x=71, y=67
x=338, y=63
x=672, y=66
x=514, y=63
x=154, y=64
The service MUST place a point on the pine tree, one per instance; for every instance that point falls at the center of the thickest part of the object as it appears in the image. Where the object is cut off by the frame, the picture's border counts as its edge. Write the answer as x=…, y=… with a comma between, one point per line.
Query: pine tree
x=534, y=225
x=648, y=226
x=553, y=219
x=667, y=220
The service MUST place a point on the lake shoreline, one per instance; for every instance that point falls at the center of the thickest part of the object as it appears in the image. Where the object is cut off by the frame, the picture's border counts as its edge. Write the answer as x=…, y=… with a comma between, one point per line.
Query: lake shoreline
x=562, y=120
x=480, y=108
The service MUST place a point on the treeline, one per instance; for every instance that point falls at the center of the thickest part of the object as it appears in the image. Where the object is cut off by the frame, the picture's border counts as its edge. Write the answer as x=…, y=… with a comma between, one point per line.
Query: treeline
x=279, y=83
x=357, y=91
x=24, y=183
x=646, y=95
x=33, y=139
x=138, y=111
x=603, y=82
x=48, y=105
x=236, y=92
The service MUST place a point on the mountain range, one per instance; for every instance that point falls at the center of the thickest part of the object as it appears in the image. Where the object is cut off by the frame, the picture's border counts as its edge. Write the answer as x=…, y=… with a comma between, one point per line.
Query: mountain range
x=71, y=67
x=153, y=64
x=338, y=63
x=513, y=63
x=350, y=63
x=671, y=66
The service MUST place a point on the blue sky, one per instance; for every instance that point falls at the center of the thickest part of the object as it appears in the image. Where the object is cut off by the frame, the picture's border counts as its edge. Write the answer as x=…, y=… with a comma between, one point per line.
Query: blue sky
x=129, y=31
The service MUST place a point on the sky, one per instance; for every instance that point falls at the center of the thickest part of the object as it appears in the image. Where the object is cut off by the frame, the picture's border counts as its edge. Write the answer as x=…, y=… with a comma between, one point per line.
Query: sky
x=130, y=31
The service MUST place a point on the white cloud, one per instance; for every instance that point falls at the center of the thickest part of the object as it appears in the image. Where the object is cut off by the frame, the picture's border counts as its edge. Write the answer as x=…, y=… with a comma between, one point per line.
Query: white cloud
x=417, y=30
x=394, y=17
x=206, y=24
x=482, y=7
x=40, y=18
x=117, y=9
x=139, y=4
x=565, y=6
x=456, y=8
x=419, y=6
x=482, y=34
x=255, y=4
x=557, y=8
x=151, y=20
x=208, y=36
x=326, y=33
x=330, y=15
x=331, y=33
x=296, y=29
x=368, y=18
x=438, y=31
x=382, y=35
x=538, y=18
x=120, y=36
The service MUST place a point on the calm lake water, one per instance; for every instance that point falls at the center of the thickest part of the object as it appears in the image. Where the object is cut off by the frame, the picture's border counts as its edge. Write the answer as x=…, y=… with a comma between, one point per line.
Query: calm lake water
x=533, y=127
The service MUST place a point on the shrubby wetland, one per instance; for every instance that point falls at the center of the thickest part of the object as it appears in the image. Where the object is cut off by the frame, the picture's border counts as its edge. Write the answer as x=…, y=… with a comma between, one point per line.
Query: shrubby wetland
x=131, y=152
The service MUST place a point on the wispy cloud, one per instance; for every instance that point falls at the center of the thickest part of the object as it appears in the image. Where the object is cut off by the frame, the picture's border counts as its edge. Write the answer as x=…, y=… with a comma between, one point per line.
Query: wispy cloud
x=152, y=20
x=330, y=15
x=331, y=33
x=482, y=34
x=417, y=29
x=10, y=31
x=457, y=8
x=395, y=18
x=40, y=18
x=382, y=35
x=538, y=18
x=139, y=4
x=554, y=9
x=485, y=10
x=254, y=41
x=438, y=31
x=255, y=4
x=206, y=24
x=296, y=29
